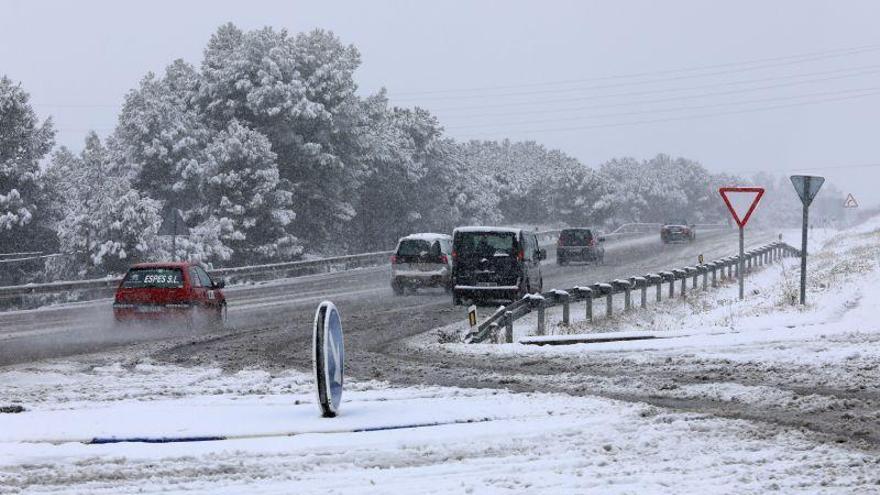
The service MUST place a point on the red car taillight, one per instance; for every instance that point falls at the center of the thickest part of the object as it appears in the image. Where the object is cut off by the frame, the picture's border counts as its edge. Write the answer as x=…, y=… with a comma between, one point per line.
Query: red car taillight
x=444, y=259
x=393, y=259
x=521, y=255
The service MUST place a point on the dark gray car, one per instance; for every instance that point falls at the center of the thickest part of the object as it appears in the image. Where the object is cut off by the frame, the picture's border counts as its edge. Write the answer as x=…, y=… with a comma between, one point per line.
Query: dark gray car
x=579, y=244
x=490, y=263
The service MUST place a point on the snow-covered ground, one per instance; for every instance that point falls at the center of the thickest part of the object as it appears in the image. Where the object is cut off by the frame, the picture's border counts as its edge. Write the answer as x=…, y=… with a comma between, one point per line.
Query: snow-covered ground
x=451, y=440
x=838, y=327
x=459, y=441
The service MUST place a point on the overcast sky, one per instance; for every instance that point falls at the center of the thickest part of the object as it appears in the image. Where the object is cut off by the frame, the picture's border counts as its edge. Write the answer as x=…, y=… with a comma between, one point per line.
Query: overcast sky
x=742, y=86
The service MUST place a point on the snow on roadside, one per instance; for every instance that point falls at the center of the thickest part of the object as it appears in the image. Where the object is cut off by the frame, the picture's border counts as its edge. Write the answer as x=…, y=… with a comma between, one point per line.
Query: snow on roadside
x=833, y=343
x=491, y=441
x=841, y=275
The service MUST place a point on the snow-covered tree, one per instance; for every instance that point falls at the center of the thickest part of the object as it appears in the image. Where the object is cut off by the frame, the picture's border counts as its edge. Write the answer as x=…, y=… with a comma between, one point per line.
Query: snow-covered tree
x=160, y=139
x=299, y=92
x=107, y=225
x=251, y=213
x=409, y=178
x=521, y=172
x=660, y=189
x=24, y=204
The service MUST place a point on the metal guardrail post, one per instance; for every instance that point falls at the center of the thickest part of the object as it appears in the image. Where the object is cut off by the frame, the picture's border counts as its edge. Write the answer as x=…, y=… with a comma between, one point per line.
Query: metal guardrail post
x=508, y=327
x=541, y=324
x=714, y=267
x=565, y=316
x=705, y=270
x=627, y=288
x=609, y=304
x=587, y=294
x=658, y=280
x=641, y=283
x=670, y=277
x=563, y=297
x=695, y=271
x=608, y=291
x=681, y=274
x=493, y=331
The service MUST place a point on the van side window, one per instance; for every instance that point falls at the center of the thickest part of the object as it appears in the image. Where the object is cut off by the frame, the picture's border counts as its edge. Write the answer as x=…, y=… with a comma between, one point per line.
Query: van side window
x=194, y=278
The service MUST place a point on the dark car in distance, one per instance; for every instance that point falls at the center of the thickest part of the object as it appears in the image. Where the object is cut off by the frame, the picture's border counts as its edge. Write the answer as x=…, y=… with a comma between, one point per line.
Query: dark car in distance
x=490, y=263
x=579, y=244
x=179, y=292
x=677, y=230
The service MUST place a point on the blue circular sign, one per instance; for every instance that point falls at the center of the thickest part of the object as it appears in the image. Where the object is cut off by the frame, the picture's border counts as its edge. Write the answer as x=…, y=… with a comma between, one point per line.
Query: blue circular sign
x=329, y=358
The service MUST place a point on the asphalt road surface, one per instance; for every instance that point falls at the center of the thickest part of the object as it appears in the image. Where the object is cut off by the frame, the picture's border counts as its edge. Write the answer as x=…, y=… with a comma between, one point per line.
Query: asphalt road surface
x=270, y=328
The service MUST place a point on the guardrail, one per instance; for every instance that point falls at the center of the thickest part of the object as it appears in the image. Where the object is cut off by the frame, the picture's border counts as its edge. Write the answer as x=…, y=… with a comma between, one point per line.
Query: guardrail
x=721, y=269
x=104, y=287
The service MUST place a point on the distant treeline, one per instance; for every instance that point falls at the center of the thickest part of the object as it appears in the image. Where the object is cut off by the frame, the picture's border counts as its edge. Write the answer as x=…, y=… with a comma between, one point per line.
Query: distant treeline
x=270, y=153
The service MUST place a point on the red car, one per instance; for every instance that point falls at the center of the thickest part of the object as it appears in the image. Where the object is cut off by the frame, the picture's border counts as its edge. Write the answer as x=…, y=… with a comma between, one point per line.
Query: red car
x=159, y=291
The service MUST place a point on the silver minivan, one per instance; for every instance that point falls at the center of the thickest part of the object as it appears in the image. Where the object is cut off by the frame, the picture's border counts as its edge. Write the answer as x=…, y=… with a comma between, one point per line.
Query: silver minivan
x=422, y=260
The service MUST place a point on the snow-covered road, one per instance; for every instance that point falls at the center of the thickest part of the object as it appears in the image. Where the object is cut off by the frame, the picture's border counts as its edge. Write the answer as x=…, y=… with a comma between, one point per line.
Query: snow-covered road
x=744, y=398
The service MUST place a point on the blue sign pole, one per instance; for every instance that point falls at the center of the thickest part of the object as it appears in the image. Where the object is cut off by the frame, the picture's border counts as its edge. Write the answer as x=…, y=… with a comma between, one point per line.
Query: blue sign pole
x=329, y=358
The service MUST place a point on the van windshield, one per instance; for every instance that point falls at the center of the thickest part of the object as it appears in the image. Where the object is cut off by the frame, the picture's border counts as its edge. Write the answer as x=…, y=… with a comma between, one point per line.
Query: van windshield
x=485, y=244
x=162, y=278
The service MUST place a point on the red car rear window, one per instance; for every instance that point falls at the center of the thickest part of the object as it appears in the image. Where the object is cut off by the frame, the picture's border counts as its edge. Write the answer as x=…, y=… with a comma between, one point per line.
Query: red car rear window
x=163, y=278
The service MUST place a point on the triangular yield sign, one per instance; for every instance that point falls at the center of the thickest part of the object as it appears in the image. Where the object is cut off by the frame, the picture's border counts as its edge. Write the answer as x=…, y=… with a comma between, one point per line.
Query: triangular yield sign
x=741, y=201
x=850, y=202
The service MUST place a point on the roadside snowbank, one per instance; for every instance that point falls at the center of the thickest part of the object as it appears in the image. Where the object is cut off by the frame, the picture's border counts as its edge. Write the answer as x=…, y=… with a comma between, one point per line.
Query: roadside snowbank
x=841, y=291
x=491, y=441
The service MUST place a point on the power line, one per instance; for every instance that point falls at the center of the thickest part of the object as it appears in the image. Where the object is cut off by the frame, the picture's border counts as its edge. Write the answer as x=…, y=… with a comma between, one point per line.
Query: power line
x=580, y=89
x=687, y=117
x=860, y=92
x=793, y=59
x=814, y=168
x=838, y=74
x=801, y=58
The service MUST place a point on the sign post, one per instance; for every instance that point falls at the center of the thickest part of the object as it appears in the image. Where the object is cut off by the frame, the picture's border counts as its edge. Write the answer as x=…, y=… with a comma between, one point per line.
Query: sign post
x=173, y=225
x=741, y=201
x=806, y=186
x=329, y=358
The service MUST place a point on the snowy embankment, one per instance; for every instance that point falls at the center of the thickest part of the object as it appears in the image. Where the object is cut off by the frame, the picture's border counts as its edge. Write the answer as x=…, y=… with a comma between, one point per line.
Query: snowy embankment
x=482, y=441
x=452, y=440
x=837, y=326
